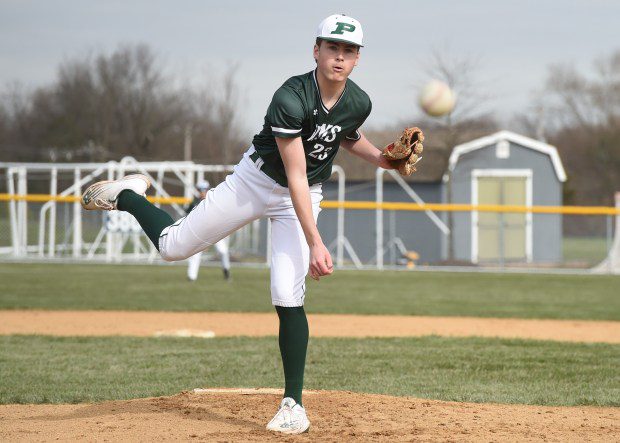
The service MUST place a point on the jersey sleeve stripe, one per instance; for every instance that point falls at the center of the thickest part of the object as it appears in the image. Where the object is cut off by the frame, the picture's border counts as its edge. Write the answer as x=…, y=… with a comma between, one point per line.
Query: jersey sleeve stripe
x=355, y=136
x=285, y=131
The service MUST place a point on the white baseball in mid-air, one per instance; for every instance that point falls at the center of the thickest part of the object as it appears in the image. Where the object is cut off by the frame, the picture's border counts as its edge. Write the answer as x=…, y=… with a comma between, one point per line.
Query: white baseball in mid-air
x=437, y=99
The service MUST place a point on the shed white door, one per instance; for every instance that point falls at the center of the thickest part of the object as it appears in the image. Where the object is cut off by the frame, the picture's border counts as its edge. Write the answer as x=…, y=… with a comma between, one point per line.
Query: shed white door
x=502, y=236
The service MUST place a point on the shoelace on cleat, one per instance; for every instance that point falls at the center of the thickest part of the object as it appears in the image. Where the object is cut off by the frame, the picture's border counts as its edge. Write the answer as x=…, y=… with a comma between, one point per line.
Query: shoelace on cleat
x=103, y=204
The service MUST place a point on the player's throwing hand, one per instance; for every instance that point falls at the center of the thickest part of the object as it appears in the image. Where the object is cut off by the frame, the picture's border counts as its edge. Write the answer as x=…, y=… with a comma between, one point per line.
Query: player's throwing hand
x=320, y=261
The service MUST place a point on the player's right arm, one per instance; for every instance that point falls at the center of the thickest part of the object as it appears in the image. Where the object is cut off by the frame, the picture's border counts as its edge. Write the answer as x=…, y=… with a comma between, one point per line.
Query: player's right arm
x=294, y=159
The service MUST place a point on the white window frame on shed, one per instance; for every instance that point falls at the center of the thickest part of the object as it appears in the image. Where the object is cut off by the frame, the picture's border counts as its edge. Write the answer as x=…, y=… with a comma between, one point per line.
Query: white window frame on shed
x=522, y=173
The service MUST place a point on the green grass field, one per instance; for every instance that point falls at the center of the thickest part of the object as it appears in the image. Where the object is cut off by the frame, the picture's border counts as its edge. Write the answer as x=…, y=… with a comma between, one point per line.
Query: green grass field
x=165, y=288
x=66, y=370
x=588, y=250
x=35, y=369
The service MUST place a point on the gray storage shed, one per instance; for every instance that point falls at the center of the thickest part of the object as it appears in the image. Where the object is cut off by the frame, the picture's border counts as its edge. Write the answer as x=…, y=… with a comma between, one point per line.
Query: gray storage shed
x=505, y=169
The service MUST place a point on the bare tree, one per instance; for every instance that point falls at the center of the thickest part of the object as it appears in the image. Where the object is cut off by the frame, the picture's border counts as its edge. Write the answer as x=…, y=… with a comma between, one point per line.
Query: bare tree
x=137, y=109
x=4, y=126
x=215, y=119
x=584, y=122
x=470, y=117
x=461, y=73
x=587, y=102
x=15, y=107
x=105, y=106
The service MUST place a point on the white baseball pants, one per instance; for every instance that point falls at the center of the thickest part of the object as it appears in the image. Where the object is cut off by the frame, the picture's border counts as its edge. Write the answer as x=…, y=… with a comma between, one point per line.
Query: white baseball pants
x=193, y=264
x=246, y=195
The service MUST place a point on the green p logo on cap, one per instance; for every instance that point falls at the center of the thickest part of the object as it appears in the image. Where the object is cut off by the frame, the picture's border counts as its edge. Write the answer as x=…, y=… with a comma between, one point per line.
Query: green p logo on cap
x=342, y=27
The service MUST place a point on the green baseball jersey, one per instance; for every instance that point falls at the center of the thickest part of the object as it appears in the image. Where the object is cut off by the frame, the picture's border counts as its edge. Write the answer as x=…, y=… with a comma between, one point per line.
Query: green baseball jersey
x=297, y=110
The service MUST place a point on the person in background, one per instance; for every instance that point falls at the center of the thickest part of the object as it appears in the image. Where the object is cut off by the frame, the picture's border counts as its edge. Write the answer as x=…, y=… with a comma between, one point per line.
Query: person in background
x=221, y=246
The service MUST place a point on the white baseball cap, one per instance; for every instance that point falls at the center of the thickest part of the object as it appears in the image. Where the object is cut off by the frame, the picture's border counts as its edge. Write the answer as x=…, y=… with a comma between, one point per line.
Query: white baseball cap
x=202, y=185
x=340, y=28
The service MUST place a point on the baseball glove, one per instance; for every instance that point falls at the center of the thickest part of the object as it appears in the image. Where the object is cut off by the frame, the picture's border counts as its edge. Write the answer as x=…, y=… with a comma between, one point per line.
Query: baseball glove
x=405, y=152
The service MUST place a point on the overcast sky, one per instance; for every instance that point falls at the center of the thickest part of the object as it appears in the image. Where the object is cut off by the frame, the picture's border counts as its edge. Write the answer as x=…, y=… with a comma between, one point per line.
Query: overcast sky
x=272, y=40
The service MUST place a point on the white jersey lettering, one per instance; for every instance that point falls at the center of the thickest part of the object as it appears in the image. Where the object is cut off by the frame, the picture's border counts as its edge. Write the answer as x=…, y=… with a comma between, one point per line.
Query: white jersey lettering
x=325, y=132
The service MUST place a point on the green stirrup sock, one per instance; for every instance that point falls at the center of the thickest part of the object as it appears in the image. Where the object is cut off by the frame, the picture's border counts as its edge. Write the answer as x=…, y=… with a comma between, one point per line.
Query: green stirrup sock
x=152, y=219
x=293, y=344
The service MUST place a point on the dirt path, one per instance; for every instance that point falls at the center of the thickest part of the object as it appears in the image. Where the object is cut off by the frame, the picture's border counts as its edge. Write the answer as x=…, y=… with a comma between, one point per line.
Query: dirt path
x=144, y=324
x=334, y=416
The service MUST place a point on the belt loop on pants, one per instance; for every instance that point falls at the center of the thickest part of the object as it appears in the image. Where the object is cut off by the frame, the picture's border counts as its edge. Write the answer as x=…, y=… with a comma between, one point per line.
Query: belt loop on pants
x=256, y=158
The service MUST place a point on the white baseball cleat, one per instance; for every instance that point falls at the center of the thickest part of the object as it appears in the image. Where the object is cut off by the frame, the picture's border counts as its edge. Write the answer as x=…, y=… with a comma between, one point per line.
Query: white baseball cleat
x=290, y=419
x=104, y=194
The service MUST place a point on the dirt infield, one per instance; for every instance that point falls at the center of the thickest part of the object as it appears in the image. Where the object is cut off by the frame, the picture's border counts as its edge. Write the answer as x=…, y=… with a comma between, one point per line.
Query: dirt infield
x=228, y=415
x=334, y=416
x=209, y=324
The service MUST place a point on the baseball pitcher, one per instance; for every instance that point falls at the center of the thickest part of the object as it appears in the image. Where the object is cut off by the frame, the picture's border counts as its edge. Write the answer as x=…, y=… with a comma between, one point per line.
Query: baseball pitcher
x=309, y=118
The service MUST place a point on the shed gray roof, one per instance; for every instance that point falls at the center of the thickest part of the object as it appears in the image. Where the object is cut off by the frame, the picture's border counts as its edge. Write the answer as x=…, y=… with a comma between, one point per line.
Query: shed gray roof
x=517, y=139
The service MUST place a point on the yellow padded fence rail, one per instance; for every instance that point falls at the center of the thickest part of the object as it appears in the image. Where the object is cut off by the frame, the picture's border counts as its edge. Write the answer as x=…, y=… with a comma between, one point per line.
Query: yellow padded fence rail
x=42, y=198
x=439, y=207
x=370, y=205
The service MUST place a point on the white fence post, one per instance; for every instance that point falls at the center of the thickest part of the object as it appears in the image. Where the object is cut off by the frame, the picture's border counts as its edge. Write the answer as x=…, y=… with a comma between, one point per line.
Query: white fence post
x=340, y=215
x=77, y=216
x=22, y=189
x=379, y=216
x=13, y=211
x=52, y=228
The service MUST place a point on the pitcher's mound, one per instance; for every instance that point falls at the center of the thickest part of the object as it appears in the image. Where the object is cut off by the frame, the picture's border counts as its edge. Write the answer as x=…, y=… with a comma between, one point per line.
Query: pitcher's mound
x=241, y=415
